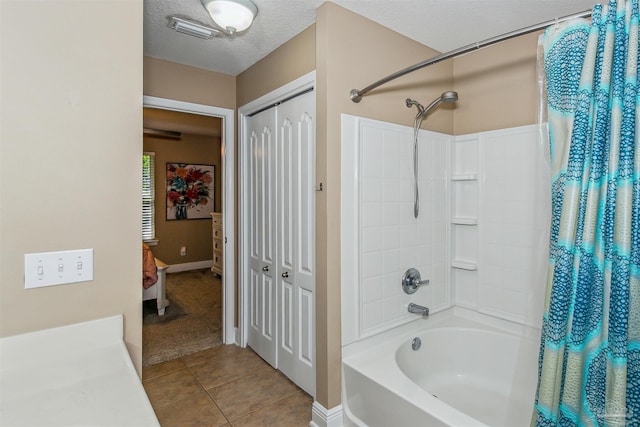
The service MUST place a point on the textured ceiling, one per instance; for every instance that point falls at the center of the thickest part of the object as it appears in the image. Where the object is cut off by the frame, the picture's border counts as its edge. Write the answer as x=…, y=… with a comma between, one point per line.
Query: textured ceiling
x=443, y=25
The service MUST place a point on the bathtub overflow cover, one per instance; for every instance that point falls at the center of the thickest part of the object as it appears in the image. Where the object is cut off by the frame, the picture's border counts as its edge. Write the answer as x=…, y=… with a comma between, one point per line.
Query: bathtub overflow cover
x=416, y=343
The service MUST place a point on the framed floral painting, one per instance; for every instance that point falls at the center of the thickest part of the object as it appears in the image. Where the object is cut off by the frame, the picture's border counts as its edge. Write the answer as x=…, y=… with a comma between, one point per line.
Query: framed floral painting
x=190, y=191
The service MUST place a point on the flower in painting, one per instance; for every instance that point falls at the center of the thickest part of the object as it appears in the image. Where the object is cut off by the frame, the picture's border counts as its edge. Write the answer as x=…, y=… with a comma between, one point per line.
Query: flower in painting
x=187, y=185
x=192, y=194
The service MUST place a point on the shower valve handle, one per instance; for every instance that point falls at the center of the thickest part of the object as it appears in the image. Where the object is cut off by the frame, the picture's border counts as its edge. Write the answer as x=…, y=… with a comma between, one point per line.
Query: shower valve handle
x=411, y=281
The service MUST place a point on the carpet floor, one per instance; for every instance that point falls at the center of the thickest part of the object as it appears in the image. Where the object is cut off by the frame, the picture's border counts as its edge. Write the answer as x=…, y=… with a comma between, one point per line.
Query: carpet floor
x=192, y=322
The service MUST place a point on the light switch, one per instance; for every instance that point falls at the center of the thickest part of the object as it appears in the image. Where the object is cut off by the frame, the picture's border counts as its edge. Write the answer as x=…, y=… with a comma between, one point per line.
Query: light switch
x=57, y=268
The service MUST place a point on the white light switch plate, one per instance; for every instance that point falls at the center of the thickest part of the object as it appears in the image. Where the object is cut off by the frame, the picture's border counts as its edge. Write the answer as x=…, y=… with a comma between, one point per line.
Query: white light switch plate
x=57, y=268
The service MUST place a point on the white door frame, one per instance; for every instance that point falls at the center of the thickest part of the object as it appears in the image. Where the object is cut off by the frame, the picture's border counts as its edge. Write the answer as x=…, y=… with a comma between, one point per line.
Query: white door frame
x=228, y=198
x=301, y=84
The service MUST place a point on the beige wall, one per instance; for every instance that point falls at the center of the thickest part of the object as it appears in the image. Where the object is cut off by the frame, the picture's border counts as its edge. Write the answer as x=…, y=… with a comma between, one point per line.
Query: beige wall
x=293, y=59
x=372, y=52
x=70, y=170
x=195, y=235
x=497, y=86
x=170, y=80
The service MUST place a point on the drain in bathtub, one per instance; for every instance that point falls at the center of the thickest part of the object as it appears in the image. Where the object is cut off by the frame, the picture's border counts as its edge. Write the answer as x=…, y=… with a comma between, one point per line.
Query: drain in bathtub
x=416, y=343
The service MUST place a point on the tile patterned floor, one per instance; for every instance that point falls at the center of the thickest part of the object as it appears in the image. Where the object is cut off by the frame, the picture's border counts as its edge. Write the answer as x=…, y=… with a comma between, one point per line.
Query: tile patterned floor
x=225, y=386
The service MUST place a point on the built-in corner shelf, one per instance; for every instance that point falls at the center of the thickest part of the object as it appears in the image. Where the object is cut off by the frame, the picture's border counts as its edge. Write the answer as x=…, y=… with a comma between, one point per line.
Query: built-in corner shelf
x=464, y=221
x=465, y=177
x=464, y=265
x=464, y=213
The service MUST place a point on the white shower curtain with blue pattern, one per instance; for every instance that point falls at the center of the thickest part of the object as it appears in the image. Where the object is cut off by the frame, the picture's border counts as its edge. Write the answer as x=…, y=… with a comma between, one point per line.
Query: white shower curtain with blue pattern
x=589, y=370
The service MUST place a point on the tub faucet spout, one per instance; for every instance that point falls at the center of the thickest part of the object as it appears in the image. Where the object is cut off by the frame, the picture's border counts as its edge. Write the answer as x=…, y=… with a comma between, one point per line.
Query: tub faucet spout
x=418, y=309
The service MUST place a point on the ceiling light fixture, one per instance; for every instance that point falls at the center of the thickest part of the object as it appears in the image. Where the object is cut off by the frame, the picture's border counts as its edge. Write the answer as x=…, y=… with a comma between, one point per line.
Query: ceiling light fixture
x=193, y=29
x=233, y=16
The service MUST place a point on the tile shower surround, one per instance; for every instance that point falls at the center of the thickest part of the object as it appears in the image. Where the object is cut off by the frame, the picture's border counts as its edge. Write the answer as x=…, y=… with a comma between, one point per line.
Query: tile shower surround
x=480, y=235
x=391, y=239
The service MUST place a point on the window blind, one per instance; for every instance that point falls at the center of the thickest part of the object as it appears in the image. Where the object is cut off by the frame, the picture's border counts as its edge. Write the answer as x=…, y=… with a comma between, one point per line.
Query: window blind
x=148, y=196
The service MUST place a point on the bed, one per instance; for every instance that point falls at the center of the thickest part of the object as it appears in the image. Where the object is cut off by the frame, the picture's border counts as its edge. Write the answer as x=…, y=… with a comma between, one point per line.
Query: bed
x=154, y=279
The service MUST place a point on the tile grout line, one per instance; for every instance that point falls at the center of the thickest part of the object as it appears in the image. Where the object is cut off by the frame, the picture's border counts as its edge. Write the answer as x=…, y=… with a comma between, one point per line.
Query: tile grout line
x=195, y=377
x=165, y=373
x=286, y=396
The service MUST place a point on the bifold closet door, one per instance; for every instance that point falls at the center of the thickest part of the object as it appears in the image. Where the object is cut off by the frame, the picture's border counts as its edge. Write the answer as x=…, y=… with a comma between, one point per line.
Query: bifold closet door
x=295, y=208
x=281, y=213
x=262, y=333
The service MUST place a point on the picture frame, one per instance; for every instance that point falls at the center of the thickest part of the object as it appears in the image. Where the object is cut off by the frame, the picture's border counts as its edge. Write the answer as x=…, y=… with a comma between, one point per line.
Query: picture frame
x=190, y=191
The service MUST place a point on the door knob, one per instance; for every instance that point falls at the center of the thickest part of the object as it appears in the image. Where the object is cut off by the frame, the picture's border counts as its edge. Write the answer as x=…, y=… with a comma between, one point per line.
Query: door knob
x=265, y=268
x=285, y=274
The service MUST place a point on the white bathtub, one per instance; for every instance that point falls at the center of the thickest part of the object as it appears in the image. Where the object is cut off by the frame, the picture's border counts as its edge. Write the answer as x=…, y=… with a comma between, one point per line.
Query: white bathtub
x=470, y=371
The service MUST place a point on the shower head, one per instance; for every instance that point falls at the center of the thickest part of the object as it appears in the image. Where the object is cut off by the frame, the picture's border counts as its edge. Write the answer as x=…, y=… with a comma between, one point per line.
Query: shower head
x=446, y=97
x=450, y=96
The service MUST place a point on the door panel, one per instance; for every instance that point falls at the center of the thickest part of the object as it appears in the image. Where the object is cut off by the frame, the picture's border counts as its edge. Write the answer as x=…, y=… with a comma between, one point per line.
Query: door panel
x=262, y=234
x=305, y=306
x=287, y=316
x=296, y=209
x=306, y=203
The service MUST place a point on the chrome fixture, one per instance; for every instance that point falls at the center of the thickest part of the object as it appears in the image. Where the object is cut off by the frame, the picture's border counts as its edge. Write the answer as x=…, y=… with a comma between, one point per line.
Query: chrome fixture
x=411, y=281
x=418, y=309
x=356, y=95
x=449, y=96
x=416, y=343
x=446, y=97
x=232, y=16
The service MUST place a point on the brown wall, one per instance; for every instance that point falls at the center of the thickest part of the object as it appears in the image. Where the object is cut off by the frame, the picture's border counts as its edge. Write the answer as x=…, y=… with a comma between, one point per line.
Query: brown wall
x=70, y=169
x=195, y=235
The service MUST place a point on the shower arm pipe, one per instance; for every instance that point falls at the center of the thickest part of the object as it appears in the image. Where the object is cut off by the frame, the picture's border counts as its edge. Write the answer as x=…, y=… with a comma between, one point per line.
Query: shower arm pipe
x=356, y=95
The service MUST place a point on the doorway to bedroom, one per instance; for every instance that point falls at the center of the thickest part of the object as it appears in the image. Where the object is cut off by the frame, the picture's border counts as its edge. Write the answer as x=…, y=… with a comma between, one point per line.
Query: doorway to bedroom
x=186, y=145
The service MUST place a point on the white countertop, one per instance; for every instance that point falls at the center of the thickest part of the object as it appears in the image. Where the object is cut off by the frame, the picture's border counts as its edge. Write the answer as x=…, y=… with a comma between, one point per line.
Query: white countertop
x=77, y=375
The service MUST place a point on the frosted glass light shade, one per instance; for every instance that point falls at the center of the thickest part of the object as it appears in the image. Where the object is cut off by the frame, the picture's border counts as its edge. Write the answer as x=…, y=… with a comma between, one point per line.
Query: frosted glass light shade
x=231, y=15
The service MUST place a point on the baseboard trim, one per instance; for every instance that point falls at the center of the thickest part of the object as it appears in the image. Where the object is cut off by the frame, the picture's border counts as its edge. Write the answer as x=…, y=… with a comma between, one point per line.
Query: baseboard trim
x=323, y=417
x=188, y=266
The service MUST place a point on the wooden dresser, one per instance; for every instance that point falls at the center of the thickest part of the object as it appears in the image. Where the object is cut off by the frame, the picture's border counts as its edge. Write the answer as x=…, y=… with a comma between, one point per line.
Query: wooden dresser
x=218, y=241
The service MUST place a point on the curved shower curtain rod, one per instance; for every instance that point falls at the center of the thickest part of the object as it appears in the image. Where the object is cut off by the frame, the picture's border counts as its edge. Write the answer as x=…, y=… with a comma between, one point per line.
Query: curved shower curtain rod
x=356, y=95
